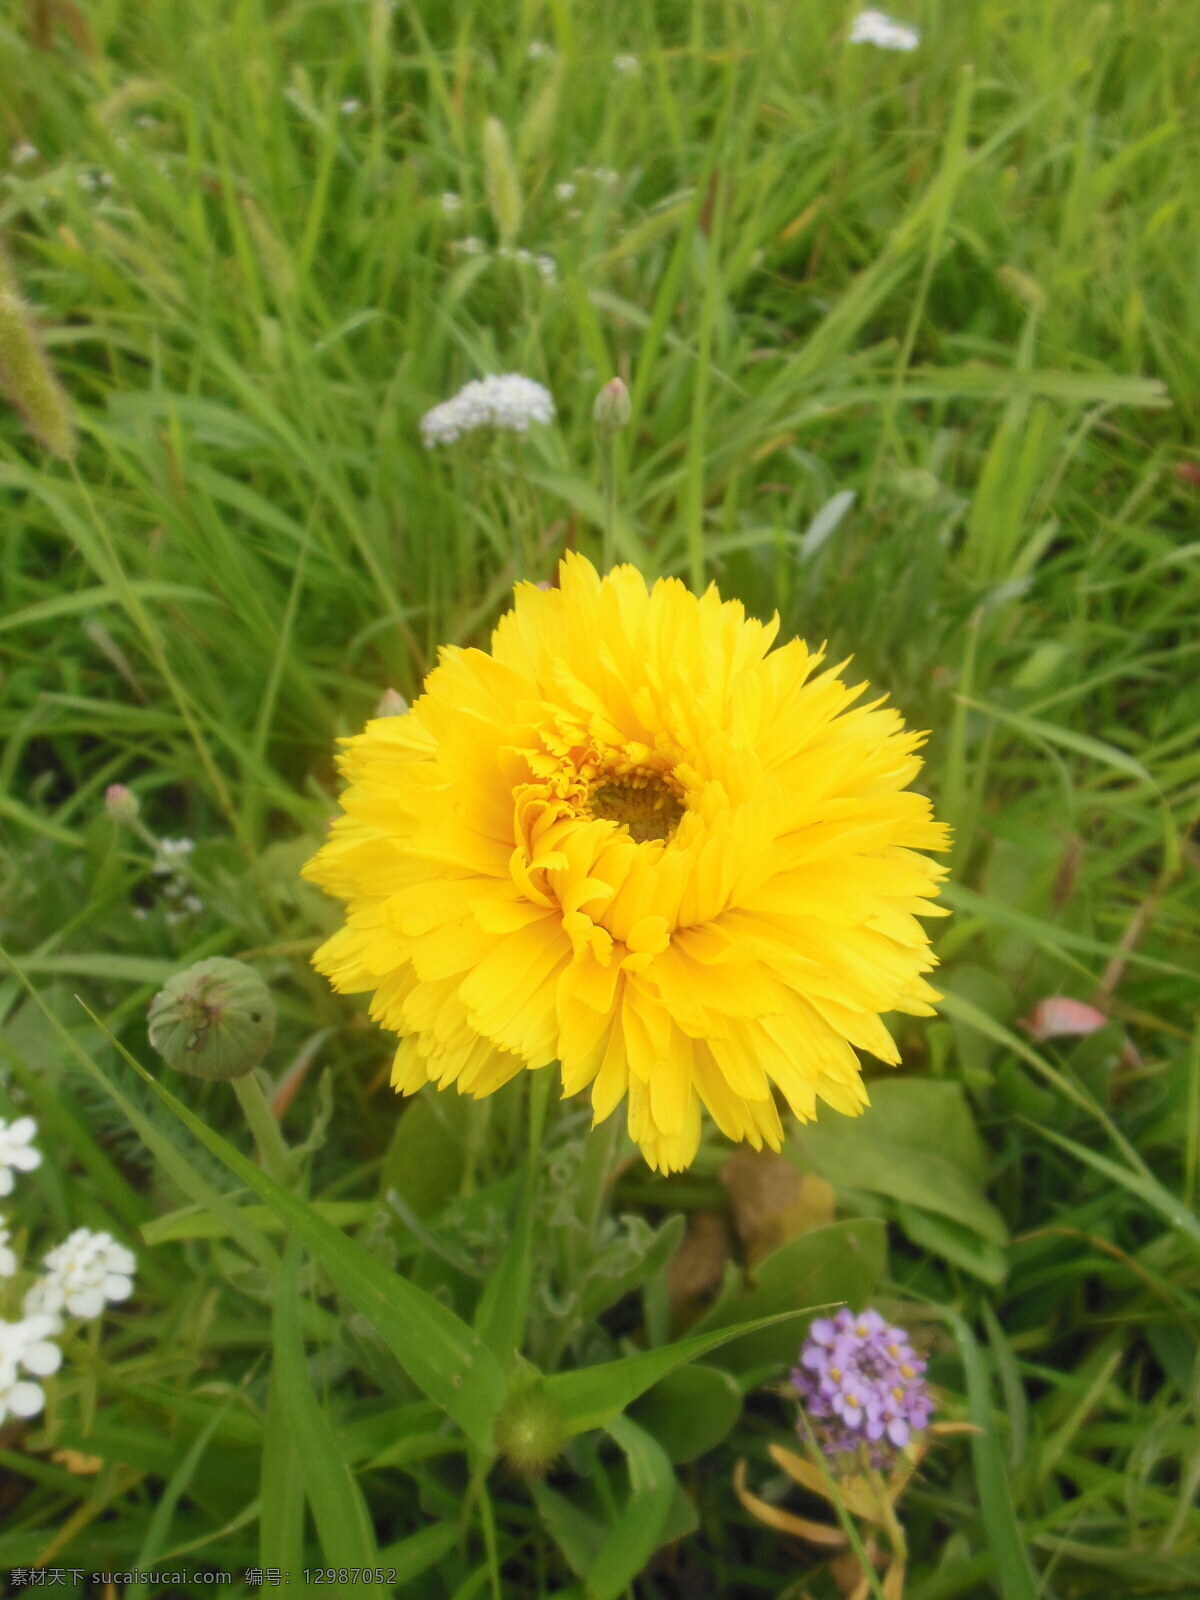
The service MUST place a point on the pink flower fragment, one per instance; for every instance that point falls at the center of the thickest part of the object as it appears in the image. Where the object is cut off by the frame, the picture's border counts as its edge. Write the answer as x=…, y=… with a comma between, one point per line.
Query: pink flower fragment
x=1059, y=1017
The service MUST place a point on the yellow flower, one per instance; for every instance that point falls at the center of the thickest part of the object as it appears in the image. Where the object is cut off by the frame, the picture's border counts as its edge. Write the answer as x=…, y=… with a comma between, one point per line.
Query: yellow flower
x=631, y=840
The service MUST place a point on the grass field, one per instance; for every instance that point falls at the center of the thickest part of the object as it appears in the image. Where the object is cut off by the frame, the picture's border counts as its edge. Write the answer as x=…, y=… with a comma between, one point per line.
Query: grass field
x=911, y=343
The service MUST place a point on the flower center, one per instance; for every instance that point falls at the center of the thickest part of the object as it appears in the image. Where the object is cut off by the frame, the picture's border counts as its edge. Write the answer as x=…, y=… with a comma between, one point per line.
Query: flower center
x=644, y=803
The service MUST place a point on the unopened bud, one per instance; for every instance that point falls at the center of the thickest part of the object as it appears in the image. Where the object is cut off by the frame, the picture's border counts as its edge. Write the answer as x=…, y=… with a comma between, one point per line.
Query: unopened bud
x=216, y=1020
x=612, y=410
x=391, y=704
x=121, y=804
x=531, y=1431
x=27, y=377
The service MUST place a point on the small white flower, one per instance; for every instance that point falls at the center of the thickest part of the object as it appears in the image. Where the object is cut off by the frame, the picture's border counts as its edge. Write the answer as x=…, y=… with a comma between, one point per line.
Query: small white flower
x=8, y=1261
x=451, y=203
x=19, y=1397
x=147, y=121
x=106, y=180
x=26, y=1345
x=193, y=904
x=877, y=28
x=508, y=401
x=82, y=1273
x=539, y=50
x=606, y=176
x=171, y=854
x=23, y=152
x=16, y=1152
x=349, y=107
x=85, y=180
x=470, y=246
x=565, y=191
x=626, y=65
x=547, y=269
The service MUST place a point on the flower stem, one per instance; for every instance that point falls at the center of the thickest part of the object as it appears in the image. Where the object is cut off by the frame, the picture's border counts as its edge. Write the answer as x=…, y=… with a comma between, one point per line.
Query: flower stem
x=608, y=481
x=273, y=1152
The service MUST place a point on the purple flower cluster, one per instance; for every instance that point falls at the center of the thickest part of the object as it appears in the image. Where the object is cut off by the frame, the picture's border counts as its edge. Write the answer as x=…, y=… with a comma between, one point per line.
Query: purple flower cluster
x=861, y=1382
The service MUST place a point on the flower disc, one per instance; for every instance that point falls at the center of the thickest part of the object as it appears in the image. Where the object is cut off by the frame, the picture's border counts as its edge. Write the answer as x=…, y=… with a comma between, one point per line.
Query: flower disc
x=636, y=840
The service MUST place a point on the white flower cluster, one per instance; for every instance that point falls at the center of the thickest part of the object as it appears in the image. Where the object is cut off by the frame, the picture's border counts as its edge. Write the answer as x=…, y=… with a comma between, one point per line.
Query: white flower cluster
x=16, y=1152
x=508, y=401
x=23, y=152
x=82, y=1274
x=877, y=28
x=627, y=65
x=170, y=862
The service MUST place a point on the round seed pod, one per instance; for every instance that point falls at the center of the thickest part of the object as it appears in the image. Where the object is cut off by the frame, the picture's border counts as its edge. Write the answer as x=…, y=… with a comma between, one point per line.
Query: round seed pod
x=215, y=1020
x=531, y=1431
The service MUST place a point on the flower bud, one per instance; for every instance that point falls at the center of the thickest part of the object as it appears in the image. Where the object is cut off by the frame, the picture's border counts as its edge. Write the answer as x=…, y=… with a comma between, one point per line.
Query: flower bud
x=611, y=411
x=530, y=1431
x=121, y=804
x=216, y=1020
x=391, y=704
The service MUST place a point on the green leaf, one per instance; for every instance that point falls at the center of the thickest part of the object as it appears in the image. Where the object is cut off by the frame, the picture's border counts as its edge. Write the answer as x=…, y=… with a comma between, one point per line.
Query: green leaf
x=281, y=1491
x=1084, y=744
x=592, y=1397
x=1146, y=1189
x=579, y=1536
x=336, y=1502
x=424, y=1162
x=637, y=1532
x=1013, y=1571
x=917, y=1145
x=840, y=1262
x=155, y=1541
x=193, y=1222
x=419, y=1551
x=690, y=1411
x=965, y=1249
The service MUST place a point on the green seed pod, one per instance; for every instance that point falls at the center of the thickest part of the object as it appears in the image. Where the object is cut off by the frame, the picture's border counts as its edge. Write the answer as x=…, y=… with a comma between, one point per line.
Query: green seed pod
x=530, y=1431
x=26, y=376
x=501, y=181
x=216, y=1020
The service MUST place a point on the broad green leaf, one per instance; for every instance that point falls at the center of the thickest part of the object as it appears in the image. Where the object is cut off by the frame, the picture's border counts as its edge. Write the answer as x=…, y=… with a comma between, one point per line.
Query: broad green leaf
x=424, y=1162
x=917, y=1144
x=637, y=1532
x=439, y=1352
x=334, y=1497
x=690, y=1411
x=592, y=1397
x=840, y=1262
